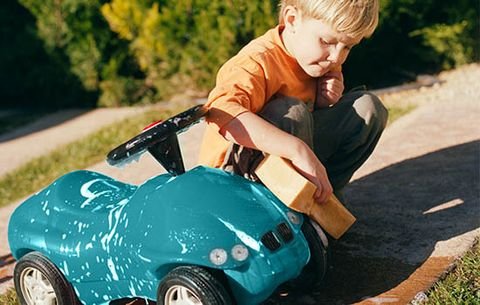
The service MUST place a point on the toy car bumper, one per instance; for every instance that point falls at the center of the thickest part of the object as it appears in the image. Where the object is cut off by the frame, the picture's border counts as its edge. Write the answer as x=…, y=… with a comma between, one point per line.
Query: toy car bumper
x=258, y=279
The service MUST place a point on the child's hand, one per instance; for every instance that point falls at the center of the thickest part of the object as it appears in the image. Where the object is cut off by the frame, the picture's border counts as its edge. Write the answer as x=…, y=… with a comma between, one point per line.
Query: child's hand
x=330, y=89
x=311, y=168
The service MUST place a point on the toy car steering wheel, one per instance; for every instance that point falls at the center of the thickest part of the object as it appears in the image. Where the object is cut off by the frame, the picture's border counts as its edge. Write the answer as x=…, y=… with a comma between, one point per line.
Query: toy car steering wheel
x=160, y=140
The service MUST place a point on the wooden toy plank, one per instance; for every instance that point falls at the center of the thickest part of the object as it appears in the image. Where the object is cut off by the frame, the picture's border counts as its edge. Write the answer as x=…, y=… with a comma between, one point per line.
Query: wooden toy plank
x=297, y=192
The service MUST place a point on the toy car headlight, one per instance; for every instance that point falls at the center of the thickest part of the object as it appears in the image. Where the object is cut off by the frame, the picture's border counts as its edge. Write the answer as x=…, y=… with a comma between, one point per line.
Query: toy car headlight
x=293, y=217
x=218, y=256
x=240, y=252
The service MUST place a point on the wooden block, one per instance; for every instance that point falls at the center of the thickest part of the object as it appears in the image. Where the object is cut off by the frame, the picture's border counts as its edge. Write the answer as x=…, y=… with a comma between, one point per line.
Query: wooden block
x=286, y=183
x=297, y=192
x=332, y=216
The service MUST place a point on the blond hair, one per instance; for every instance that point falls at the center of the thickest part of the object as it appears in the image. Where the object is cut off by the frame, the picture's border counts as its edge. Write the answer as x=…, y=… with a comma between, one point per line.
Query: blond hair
x=355, y=18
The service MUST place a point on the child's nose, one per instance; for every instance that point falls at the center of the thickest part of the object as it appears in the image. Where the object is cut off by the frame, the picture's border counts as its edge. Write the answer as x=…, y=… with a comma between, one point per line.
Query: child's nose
x=334, y=55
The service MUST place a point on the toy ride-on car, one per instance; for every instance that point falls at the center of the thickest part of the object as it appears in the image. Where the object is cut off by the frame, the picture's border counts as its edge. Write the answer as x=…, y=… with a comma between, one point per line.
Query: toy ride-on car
x=202, y=236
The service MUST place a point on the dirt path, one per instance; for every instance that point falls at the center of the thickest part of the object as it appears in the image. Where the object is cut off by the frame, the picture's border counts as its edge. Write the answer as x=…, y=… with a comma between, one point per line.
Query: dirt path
x=52, y=131
x=416, y=200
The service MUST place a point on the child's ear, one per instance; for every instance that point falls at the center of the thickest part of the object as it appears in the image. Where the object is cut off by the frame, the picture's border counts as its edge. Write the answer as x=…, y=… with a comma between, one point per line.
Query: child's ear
x=290, y=18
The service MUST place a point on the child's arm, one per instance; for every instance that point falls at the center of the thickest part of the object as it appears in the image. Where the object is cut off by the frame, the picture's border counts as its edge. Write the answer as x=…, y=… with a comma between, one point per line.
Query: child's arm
x=250, y=130
x=240, y=92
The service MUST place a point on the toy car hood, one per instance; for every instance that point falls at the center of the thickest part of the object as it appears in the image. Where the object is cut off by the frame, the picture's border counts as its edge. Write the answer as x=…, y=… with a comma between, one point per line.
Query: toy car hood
x=204, y=209
x=166, y=221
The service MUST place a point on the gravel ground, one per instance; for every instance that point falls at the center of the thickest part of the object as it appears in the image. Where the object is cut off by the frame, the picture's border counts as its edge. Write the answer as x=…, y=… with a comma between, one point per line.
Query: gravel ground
x=462, y=83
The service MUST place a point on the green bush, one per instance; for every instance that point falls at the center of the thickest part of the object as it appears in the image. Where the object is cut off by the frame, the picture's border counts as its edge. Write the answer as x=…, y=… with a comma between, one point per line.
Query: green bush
x=416, y=37
x=447, y=42
x=30, y=77
x=179, y=45
x=141, y=51
x=76, y=31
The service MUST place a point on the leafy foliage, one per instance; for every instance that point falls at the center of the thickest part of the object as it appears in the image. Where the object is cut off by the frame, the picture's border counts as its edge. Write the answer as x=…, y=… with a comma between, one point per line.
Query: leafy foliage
x=75, y=31
x=448, y=42
x=181, y=44
x=416, y=37
x=30, y=76
x=139, y=51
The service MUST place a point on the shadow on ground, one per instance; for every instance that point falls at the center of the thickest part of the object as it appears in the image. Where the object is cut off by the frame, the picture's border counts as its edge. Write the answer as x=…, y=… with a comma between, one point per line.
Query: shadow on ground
x=403, y=211
x=24, y=123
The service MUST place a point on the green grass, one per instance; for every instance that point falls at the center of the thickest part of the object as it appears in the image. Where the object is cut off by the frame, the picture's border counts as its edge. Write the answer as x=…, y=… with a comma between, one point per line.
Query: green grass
x=395, y=112
x=462, y=285
x=9, y=298
x=41, y=171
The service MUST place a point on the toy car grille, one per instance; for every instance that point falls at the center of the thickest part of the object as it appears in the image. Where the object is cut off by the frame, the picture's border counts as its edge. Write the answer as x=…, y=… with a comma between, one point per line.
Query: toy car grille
x=285, y=232
x=270, y=241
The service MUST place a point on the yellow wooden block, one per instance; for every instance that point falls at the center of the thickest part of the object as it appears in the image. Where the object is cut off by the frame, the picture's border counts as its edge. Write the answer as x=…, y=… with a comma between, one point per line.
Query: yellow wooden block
x=297, y=192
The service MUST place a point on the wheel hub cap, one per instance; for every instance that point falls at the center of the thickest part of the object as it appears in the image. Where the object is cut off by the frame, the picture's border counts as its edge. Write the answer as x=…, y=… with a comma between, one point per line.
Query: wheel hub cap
x=36, y=288
x=180, y=295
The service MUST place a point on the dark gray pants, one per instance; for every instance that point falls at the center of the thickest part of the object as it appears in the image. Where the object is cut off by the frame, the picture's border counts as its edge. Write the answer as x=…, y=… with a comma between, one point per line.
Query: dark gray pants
x=342, y=136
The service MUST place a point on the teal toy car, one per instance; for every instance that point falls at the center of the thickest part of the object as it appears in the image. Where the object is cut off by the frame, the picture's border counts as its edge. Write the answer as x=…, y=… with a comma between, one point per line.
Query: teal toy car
x=202, y=236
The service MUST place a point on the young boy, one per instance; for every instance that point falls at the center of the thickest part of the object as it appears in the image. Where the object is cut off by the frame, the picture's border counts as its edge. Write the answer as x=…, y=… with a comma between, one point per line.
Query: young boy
x=282, y=94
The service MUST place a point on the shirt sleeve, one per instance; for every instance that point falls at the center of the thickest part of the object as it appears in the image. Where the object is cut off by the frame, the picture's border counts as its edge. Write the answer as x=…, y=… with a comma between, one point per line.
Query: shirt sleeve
x=240, y=87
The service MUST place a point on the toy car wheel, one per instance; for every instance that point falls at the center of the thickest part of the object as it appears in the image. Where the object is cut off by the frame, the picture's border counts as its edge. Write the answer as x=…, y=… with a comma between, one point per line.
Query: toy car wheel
x=39, y=282
x=314, y=272
x=191, y=285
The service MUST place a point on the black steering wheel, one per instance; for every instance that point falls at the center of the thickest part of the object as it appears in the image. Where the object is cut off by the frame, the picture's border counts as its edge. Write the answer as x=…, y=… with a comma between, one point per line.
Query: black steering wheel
x=160, y=140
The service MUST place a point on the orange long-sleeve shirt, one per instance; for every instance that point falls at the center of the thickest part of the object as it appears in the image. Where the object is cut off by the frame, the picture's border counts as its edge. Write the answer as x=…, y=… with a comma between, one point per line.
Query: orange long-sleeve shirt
x=247, y=82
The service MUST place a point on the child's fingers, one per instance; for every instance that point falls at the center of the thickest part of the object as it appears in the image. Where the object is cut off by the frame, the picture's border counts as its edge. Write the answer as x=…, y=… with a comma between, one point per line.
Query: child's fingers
x=332, y=91
x=335, y=74
x=323, y=192
x=330, y=88
x=320, y=197
x=334, y=87
x=331, y=96
x=332, y=84
x=324, y=188
x=312, y=169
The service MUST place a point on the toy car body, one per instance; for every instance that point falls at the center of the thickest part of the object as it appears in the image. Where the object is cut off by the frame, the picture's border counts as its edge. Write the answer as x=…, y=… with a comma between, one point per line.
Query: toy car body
x=112, y=240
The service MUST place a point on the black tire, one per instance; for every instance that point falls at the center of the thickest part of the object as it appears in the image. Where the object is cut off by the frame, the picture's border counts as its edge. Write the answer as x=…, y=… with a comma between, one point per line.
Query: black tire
x=36, y=266
x=315, y=270
x=200, y=283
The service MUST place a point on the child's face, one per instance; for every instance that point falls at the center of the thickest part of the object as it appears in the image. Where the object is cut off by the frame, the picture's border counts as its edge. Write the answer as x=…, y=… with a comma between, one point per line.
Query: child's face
x=317, y=47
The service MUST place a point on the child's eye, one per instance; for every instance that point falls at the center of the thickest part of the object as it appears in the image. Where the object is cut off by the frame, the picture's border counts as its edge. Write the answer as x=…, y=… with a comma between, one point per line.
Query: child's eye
x=330, y=43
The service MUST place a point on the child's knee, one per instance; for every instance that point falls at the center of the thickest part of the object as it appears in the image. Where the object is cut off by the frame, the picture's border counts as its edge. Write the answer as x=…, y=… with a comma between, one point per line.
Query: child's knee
x=371, y=109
